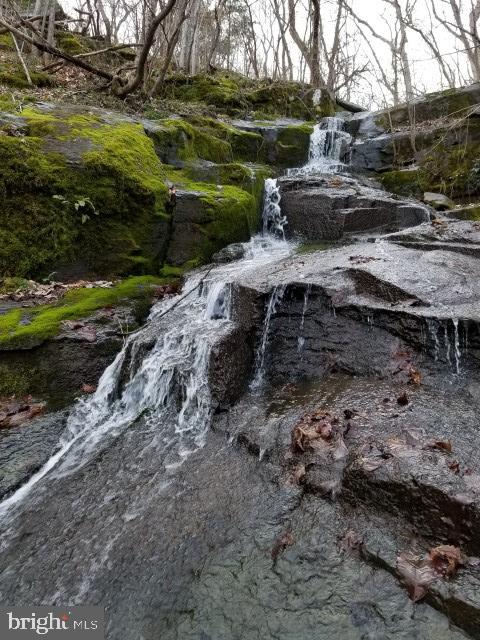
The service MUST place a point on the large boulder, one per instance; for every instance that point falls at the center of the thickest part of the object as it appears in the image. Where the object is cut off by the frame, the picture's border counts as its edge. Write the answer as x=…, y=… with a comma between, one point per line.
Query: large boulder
x=438, y=136
x=83, y=193
x=438, y=201
x=327, y=207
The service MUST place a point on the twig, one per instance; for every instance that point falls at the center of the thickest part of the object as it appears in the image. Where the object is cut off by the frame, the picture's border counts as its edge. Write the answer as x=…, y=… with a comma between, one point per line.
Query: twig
x=22, y=61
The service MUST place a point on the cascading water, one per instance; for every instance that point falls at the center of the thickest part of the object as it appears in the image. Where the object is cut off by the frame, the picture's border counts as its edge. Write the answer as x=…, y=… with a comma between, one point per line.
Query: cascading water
x=275, y=298
x=273, y=220
x=449, y=340
x=167, y=384
x=301, y=338
x=329, y=145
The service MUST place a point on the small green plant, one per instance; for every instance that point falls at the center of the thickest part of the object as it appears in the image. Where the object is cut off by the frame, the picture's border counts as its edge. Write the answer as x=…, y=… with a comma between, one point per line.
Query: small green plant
x=79, y=205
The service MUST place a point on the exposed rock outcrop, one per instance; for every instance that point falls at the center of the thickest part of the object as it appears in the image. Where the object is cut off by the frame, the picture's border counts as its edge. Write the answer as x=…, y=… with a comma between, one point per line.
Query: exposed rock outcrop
x=328, y=207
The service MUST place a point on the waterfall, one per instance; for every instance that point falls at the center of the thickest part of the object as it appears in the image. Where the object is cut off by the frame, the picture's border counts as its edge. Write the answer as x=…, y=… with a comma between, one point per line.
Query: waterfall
x=301, y=337
x=170, y=387
x=273, y=220
x=451, y=345
x=329, y=144
x=161, y=376
x=456, y=345
x=275, y=298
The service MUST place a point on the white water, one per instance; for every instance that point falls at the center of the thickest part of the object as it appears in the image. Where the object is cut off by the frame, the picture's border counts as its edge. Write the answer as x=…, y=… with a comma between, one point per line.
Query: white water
x=273, y=220
x=329, y=144
x=275, y=297
x=167, y=384
x=301, y=338
x=451, y=345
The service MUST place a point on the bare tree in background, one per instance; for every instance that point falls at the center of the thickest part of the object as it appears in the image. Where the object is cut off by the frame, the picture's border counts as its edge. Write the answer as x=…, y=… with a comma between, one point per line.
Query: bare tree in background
x=309, y=48
x=463, y=27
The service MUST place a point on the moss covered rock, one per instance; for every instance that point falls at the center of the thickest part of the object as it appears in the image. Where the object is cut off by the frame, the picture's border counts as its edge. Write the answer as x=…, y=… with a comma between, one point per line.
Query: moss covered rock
x=84, y=193
x=450, y=103
x=13, y=75
x=181, y=140
x=79, y=190
x=33, y=363
x=406, y=182
x=235, y=94
x=24, y=328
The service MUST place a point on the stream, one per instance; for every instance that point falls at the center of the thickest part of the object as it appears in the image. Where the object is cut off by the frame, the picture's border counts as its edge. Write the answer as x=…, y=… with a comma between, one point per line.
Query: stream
x=162, y=504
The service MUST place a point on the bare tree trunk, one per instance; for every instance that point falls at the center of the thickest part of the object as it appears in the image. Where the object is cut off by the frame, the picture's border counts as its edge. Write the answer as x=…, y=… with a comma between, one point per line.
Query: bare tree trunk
x=136, y=80
x=310, y=53
x=50, y=30
x=106, y=22
x=158, y=85
x=218, y=33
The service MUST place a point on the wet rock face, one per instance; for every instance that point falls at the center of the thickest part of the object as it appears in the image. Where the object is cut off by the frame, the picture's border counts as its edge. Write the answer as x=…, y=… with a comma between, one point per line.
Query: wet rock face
x=233, y=252
x=232, y=356
x=30, y=452
x=327, y=207
x=309, y=339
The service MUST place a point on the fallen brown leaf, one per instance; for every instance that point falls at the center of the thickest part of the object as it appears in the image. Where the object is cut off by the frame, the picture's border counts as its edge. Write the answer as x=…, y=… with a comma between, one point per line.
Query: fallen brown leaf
x=443, y=445
x=414, y=376
x=285, y=540
x=351, y=541
x=298, y=475
x=446, y=559
x=417, y=573
x=455, y=467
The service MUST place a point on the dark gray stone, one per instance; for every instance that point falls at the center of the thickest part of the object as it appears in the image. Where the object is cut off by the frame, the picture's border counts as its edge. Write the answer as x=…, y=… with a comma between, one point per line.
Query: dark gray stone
x=229, y=254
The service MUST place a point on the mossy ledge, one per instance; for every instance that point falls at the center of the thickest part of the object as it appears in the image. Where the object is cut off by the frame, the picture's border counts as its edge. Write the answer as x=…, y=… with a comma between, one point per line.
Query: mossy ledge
x=236, y=95
x=83, y=193
x=25, y=328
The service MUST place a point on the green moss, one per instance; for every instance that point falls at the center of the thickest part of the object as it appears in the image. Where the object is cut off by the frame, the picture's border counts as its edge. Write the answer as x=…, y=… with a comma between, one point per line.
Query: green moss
x=229, y=215
x=169, y=271
x=404, y=183
x=315, y=246
x=453, y=170
x=39, y=123
x=6, y=42
x=220, y=90
x=73, y=43
x=127, y=53
x=289, y=99
x=235, y=94
x=9, y=285
x=118, y=172
x=122, y=149
x=291, y=149
x=244, y=145
x=34, y=227
x=233, y=216
x=466, y=213
x=14, y=76
x=201, y=144
x=15, y=381
x=21, y=328
x=7, y=103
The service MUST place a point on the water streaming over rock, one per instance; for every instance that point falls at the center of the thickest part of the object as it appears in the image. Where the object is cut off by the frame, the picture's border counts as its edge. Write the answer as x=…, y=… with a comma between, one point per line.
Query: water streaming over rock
x=115, y=516
x=273, y=220
x=301, y=338
x=274, y=299
x=329, y=146
x=447, y=347
x=170, y=383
